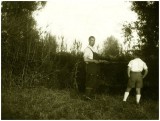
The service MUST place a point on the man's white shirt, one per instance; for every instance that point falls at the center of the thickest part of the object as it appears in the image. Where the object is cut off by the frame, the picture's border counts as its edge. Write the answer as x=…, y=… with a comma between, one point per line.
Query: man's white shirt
x=88, y=52
x=137, y=65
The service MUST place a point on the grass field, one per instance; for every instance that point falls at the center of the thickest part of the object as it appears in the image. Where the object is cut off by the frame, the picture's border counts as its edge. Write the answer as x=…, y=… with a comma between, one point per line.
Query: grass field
x=43, y=103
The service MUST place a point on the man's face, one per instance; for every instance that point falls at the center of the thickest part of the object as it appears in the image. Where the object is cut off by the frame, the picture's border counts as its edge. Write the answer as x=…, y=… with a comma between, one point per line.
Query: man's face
x=92, y=42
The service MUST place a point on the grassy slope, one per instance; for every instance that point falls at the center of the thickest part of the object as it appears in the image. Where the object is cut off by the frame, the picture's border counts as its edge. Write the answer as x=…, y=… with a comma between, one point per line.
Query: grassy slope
x=43, y=103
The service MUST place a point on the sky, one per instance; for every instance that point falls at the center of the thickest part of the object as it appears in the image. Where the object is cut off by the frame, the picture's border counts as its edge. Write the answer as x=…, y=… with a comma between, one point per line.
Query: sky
x=79, y=19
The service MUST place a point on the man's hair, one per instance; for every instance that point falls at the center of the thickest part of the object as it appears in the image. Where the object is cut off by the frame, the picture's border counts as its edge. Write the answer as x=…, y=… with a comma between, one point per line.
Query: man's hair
x=91, y=37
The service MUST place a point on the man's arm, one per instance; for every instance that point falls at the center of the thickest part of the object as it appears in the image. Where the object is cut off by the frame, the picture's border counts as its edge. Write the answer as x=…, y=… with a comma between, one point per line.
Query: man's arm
x=86, y=59
x=95, y=61
x=102, y=59
x=145, y=73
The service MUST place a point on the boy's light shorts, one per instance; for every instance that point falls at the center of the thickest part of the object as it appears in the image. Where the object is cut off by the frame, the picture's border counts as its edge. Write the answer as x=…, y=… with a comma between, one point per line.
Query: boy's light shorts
x=135, y=80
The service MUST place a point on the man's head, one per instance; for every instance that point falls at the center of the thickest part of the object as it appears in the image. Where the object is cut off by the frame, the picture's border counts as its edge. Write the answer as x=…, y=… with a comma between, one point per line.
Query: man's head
x=91, y=41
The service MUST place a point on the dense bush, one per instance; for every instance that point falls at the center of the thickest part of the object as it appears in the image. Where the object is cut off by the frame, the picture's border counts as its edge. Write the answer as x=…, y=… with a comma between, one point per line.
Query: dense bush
x=115, y=75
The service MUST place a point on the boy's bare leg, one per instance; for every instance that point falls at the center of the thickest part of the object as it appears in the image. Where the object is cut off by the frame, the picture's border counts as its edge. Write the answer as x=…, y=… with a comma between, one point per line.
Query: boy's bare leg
x=138, y=95
x=126, y=94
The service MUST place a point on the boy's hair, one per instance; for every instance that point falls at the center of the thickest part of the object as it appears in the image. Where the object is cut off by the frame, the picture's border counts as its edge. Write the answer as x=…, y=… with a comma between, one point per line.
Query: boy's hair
x=137, y=53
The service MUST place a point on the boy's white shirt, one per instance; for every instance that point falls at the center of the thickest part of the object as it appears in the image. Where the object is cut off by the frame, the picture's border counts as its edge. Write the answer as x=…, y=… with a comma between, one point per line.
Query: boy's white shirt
x=137, y=65
x=88, y=53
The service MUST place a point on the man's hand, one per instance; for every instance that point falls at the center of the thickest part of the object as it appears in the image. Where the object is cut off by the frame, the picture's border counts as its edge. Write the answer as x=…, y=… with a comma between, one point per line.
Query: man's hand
x=96, y=61
x=103, y=61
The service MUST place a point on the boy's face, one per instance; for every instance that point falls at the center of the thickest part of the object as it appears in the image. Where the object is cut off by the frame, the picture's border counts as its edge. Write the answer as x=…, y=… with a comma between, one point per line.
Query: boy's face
x=92, y=42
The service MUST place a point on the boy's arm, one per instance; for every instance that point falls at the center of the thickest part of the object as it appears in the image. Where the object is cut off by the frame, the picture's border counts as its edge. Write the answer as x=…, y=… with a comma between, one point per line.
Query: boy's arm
x=145, y=70
x=145, y=73
x=128, y=71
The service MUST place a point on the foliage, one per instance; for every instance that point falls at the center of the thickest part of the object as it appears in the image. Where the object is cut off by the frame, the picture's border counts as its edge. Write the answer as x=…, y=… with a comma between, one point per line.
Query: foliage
x=147, y=25
x=18, y=28
x=76, y=47
x=28, y=59
x=128, y=31
x=21, y=48
x=62, y=47
x=111, y=47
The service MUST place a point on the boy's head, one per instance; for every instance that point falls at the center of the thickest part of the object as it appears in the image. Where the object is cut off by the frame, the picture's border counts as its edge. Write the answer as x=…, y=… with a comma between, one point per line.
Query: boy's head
x=137, y=54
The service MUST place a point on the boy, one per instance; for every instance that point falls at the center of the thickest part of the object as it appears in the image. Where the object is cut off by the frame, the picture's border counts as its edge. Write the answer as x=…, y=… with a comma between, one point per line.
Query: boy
x=135, y=68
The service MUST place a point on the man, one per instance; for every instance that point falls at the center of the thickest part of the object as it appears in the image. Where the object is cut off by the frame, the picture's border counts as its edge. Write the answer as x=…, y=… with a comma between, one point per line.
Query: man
x=135, y=68
x=92, y=61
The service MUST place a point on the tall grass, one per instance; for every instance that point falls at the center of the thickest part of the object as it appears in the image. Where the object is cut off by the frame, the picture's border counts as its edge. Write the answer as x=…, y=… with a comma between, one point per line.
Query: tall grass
x=43, y=103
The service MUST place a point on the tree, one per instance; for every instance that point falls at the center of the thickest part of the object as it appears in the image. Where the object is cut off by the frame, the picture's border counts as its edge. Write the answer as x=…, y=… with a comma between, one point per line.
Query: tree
x=19, y=35
x=111, y=47
x=76, y=47
x=147, y=25
x=18, y=28
x=127, y=30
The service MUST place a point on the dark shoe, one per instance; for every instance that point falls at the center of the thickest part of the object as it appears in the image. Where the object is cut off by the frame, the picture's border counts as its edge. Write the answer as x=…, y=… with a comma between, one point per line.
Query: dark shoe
x=124, y=101
x=86, y=98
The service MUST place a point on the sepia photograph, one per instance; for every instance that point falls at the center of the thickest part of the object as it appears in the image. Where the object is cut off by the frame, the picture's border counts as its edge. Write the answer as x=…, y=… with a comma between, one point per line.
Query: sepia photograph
x=80, y=60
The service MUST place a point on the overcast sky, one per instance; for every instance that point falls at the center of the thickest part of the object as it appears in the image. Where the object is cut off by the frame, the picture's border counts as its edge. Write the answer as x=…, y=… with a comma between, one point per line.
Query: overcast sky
x=78, y=19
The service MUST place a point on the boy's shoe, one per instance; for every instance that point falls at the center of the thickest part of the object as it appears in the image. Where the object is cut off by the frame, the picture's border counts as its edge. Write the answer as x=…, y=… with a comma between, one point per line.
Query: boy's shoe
x=137, y=103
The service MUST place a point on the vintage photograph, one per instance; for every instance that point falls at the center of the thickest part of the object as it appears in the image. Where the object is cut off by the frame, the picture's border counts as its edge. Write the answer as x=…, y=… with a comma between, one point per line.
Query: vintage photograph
x=80, y=60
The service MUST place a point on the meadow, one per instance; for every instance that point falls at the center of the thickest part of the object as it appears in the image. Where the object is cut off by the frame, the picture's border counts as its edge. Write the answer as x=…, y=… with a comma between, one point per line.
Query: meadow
x=44, y=103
